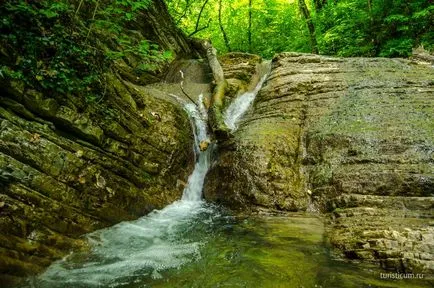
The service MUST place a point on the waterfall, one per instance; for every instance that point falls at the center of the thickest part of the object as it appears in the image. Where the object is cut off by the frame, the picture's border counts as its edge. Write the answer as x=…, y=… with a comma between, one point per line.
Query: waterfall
x=143, y=248
x=240, y=105
x=147, y=245
x=199, y=116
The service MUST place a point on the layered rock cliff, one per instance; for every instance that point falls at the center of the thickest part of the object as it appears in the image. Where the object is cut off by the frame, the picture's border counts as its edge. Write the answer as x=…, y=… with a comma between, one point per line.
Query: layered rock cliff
x=349, y=136
x=68, y=167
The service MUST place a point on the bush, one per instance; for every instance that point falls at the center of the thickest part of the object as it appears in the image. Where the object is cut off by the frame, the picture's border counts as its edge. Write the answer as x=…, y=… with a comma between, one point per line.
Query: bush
x=48, y=44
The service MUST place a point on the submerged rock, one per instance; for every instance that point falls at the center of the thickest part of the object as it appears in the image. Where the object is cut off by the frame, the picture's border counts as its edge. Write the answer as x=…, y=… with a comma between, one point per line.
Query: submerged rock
x=322, y=128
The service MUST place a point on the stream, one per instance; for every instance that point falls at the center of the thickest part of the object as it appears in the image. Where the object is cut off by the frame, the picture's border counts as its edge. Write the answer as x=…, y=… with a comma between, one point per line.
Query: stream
x=191, y=243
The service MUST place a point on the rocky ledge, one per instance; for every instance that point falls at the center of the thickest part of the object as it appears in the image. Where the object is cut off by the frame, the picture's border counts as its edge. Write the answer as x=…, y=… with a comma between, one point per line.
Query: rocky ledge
x=65, y=171
x=350, y=137
x=70, y=165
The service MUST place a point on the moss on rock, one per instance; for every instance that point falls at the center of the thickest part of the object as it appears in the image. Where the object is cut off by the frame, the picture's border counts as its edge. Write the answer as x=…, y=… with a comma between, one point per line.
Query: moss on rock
x=324, y=128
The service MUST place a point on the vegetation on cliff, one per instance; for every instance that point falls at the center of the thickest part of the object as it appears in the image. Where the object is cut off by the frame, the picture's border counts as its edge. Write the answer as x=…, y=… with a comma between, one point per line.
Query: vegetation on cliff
x=65, y=46
x=83, y=144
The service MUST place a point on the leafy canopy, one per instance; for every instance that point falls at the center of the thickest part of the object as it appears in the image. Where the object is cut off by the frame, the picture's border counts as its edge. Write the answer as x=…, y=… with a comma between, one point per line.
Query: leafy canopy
x=389, y=28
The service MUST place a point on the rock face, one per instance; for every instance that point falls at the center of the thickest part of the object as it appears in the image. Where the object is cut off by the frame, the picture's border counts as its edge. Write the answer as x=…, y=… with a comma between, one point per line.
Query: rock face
x=66, y=170
x=68, y=167
x=239, y=70
x=353, y=136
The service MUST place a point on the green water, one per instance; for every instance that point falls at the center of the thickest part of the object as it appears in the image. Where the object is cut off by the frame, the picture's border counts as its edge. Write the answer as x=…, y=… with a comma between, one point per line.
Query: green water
x=194, y=244
x=272, y=251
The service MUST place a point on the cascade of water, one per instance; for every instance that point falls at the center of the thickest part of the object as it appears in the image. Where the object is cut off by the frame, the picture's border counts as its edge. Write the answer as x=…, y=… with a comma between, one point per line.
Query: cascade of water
x=147, y=245
x=240, y=105
x=143, y=248
x=193, y=190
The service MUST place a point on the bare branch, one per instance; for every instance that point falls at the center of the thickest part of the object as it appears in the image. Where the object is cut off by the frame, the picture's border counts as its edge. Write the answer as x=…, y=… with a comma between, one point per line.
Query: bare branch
x=197, y=29
x=225, y=36
x=200, y=15
x=182, y=88
x=187, y=6
x=78, y=8
x=93, y=18
x=200, y=29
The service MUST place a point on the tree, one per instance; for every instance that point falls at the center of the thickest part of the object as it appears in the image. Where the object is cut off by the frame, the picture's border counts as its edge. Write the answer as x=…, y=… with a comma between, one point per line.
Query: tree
x=306, y=14
x=225, y=36
x=250, y=26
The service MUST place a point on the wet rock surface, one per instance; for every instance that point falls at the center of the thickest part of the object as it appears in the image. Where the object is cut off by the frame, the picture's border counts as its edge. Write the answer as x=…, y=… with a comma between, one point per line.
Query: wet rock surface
x=325, y=129
x=396, y=232
x=69, y=166
x=239, y=71
x=74, y=171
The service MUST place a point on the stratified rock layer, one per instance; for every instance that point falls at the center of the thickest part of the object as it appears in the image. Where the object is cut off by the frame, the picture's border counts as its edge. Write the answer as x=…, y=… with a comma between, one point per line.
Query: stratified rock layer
x=323, y=130
x=70, y=165
x=67, y=171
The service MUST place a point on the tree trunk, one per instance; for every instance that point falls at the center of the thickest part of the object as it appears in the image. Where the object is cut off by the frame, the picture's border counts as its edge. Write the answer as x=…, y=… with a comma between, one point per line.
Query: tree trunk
x=250, y=26
x=219, y=128
x=370, y=11
x=306, y=14
x=225, y=37
x=372, y=30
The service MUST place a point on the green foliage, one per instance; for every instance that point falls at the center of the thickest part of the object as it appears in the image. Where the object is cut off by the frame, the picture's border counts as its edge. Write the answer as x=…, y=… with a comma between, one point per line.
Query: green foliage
x=150, y=56
x=389, y=28
x=276, y=24
x=400, y=47
x=48, y=45
x=125, y=10
x=43, y=56
x=344, y=29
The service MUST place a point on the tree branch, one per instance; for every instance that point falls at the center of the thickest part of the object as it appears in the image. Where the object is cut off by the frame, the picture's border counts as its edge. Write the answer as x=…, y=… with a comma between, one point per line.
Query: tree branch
x=225, y=37
x=200, y=29
x=197, y=29
x=78, y=8
x=200, y=14
x=187, y=5
x=182, y=88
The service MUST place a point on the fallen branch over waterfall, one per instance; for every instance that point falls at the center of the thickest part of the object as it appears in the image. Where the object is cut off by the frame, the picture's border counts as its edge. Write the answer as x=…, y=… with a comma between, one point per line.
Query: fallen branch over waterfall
x=218, y=127
x=182, y=89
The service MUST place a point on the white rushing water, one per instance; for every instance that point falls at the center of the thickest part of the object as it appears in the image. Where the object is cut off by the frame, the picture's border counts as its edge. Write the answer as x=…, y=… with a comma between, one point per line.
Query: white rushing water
x=147, y=245
x=240, y=105
x=198, y=114
x=130, y=251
